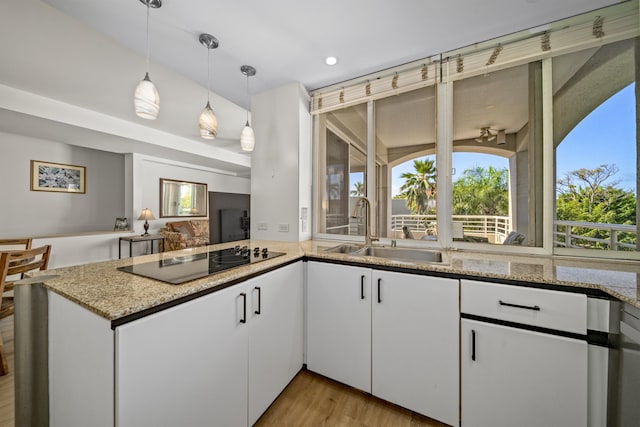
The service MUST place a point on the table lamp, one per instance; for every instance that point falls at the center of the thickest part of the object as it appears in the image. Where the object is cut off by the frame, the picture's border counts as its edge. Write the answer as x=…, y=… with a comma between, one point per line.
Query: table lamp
x=146, y=215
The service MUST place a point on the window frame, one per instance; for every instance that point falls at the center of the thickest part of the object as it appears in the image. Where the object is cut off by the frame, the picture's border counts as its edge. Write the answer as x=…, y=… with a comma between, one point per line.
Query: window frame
x=446, y=70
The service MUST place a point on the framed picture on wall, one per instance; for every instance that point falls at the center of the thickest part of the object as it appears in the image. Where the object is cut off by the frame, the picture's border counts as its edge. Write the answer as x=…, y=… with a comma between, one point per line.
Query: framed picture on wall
x=57, y=177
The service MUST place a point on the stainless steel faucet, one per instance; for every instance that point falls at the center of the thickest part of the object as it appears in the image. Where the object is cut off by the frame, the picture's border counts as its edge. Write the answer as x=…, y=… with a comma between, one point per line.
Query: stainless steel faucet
x=368, y=238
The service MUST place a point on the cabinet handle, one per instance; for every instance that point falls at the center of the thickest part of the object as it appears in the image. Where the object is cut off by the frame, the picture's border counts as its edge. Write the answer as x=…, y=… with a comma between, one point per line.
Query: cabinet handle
x=362, y=287
x=379, y=295
x=526, y=307
x=259, y=300
x=244, y=308
x=473, y=345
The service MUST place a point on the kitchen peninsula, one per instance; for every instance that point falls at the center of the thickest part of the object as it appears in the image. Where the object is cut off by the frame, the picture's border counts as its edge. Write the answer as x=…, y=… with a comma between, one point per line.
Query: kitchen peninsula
x=127, y=350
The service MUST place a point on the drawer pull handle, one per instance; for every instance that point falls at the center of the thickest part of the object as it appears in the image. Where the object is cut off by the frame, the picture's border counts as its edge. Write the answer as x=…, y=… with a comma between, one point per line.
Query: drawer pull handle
x=526, y=307
x=379, y=294
x=362, y=287
x=259, y=300
x=244, y=308
x=473, y=345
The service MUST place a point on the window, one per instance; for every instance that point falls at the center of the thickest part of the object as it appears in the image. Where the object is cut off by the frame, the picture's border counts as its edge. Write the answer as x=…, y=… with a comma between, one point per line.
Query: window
x=342, y=164
x=405, y=147
x=497, y=144
x=595, y=113
x=538, y=130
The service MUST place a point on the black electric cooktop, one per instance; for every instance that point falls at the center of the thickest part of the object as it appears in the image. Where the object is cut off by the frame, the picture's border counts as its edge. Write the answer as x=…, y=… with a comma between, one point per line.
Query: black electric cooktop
x=181, y=269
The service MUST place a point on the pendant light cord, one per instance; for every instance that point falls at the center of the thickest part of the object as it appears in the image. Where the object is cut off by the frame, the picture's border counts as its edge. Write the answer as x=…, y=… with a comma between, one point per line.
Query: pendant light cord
x=249, y=97
x=208, y=72
x=148, y=36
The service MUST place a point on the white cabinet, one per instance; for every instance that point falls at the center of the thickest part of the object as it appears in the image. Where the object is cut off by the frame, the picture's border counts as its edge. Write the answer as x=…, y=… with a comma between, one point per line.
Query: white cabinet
x=392, y=334
x=276, y=328
x=213, y=360
x=415, y=344
x=339, y=323
x=186, y=365
x=523, y=358
x=514, y=377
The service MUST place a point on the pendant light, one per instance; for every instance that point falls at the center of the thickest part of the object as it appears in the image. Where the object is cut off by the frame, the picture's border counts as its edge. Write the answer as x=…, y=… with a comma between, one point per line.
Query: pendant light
x=146, y=100
x=247, y=137
x=208, y=122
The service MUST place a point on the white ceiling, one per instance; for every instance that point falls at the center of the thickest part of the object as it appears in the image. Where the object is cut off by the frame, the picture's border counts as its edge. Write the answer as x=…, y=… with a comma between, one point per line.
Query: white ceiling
x=90, y=53
x=287, y=40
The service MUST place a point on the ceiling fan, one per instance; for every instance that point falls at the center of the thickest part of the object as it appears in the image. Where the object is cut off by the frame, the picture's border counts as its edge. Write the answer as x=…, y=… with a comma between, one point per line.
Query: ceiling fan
x=486, y=135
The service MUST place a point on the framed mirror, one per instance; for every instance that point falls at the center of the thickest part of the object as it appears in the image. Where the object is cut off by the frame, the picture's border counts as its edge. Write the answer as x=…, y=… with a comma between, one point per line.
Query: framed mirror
x=182, y=199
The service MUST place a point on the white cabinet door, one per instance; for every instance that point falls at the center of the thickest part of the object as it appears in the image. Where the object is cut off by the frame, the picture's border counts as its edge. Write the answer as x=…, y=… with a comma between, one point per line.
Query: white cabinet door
x=339, y=323
x=186, y=365
x=275, y=335
x=415, y=344
x=521, y=378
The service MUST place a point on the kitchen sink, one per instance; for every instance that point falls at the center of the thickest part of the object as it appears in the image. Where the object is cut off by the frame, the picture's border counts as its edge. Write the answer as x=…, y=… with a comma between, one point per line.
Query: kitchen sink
x=395, y=254
x=402, y=254
x=345, y=249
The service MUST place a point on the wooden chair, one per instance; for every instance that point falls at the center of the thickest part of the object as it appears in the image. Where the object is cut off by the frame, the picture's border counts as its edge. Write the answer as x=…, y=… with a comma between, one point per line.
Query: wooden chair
x=12, y=245
x=15, y=244
x=12, y=263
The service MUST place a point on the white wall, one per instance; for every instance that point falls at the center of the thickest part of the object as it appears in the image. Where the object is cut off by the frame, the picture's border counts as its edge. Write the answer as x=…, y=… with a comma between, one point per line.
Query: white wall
x=145, y=182
x=85, y=248
x=27, y=213
x=79, y=226
x=141, y=192
x=305, y=169
x=281, y=163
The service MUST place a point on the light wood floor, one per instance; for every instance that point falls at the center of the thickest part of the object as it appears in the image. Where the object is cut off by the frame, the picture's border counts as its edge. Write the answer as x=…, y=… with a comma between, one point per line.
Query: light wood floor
x=309, y=400
x=313, y=400
x=6, y=381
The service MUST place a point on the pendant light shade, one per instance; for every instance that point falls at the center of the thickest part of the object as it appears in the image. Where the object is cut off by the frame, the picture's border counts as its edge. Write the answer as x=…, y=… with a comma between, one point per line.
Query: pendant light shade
x=247, y=137
x=208, y=123
x=146, y=100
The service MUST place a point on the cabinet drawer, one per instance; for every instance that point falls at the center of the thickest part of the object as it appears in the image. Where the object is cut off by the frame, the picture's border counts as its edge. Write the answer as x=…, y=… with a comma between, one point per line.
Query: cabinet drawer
x=543, y=308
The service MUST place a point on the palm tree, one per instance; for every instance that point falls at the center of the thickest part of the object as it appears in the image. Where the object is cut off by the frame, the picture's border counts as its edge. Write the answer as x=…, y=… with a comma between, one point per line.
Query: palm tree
x=419, y=187
x=482, y=191
x=358, y=189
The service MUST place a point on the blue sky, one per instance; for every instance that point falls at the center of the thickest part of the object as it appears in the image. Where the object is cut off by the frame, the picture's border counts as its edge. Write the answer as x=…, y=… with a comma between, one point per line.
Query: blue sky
x=606, y=136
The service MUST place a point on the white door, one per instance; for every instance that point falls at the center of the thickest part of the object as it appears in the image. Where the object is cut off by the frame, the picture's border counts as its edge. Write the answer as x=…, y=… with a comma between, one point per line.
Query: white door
x=185, y=366
x=415, y=343
x=514, y=377
x=339, y=323
x=275, y=335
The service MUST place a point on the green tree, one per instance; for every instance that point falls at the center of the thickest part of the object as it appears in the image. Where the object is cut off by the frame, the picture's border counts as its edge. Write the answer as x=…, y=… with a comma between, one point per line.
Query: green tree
x=588, y=195
x=419, y=188
x=358, y=189
x=481, y=191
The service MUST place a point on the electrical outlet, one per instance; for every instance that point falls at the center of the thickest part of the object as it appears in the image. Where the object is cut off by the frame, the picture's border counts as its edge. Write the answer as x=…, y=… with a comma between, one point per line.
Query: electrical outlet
x=262, y=226
x=283, y=227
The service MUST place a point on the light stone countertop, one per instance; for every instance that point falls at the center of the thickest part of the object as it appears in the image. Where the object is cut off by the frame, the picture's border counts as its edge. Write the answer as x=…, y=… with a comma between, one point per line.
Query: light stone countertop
x=114, y=294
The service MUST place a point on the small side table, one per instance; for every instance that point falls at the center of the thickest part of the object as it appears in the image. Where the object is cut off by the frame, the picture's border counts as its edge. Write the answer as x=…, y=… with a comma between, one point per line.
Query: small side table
x=135, y=239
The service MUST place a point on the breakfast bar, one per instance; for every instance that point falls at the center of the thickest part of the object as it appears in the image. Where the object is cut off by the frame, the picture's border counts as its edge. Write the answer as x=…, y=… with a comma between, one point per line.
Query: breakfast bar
x=104, y=322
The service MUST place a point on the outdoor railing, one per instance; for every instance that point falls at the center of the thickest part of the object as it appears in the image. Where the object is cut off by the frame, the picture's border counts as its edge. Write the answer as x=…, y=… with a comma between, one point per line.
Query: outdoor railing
x=614, y=237
x=570, y=234
x=494, y=228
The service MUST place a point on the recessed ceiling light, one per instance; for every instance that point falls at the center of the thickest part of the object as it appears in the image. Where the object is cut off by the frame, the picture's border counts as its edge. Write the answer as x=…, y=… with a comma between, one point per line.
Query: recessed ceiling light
x=331, y=60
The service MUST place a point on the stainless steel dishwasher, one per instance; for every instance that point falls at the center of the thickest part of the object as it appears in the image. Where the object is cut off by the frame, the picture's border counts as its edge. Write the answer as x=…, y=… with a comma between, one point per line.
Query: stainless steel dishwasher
x=628, y=409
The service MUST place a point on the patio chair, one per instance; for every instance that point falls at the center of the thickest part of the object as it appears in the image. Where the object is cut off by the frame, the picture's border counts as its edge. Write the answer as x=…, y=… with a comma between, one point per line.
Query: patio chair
x=514, y=238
